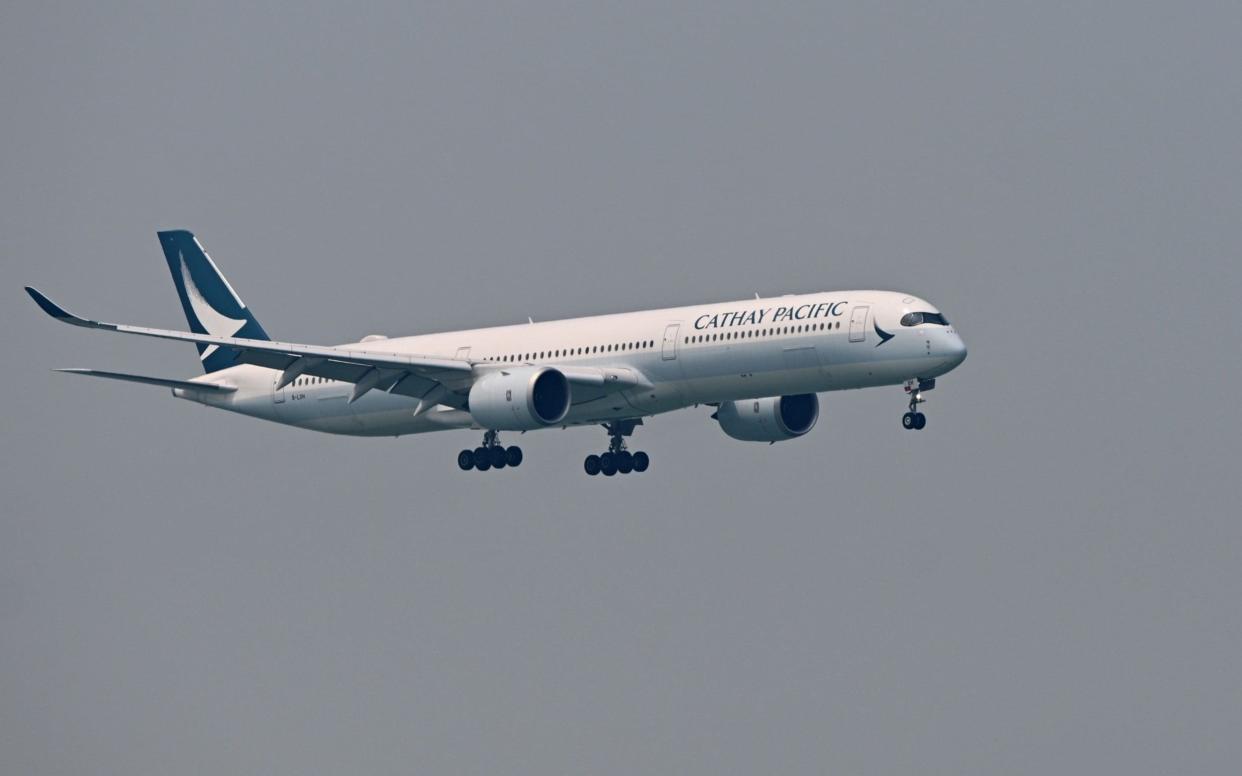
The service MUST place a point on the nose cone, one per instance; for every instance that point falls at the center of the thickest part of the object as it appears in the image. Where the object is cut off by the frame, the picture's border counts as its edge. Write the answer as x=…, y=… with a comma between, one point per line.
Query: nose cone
x=956, y=351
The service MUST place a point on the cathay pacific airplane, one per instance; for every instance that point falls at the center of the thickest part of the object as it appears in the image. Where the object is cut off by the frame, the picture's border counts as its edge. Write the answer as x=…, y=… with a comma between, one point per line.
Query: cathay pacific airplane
x=759, y=362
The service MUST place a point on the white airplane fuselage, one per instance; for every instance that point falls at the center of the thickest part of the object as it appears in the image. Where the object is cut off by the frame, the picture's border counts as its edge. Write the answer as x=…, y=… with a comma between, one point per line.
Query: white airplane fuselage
x=670, y=358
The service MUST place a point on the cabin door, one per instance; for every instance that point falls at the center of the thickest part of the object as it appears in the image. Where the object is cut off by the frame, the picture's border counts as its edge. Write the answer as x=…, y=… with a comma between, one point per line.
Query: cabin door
x=858, y=324
x=670, y=341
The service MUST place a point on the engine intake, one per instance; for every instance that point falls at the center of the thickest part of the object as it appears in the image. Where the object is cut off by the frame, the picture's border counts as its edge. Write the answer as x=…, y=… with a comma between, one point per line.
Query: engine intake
x=520, y=399
x=771, y=419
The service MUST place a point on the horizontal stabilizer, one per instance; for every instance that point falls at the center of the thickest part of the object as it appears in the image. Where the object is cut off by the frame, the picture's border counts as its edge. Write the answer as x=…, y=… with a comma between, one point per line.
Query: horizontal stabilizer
x=188, y=385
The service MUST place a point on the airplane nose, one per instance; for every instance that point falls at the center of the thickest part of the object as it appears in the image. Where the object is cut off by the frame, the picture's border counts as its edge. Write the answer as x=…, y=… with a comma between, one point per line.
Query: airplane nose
x=957, y=351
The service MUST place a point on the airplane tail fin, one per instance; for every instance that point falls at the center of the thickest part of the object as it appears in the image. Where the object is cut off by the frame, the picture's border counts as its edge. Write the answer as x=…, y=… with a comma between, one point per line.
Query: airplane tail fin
x=211, y=305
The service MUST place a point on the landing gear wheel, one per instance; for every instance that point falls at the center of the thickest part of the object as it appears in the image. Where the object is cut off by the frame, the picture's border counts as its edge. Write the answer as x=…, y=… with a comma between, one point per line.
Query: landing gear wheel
x=625, y=462
x=497, y=457
x=465, y=460
x=482, y=459
x=617, y=458
x=513, y=456
x=641, y=461
x=915, y=420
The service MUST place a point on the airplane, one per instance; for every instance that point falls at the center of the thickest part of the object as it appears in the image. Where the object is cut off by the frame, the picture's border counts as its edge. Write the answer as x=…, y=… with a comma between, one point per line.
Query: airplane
x=761, y=363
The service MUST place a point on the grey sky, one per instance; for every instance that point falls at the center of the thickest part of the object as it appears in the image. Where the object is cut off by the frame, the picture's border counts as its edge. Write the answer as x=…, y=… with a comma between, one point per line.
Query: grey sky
x=1045, y=580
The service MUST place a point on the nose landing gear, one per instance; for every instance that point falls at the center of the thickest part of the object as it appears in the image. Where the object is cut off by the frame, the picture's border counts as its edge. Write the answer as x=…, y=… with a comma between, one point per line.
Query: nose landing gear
x=915, y=420
x=617, y=459
x=491, y=455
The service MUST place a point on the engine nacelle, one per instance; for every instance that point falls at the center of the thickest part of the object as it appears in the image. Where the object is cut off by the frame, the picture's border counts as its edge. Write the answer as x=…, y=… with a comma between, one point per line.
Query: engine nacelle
x=772, y=419
x=520, y=399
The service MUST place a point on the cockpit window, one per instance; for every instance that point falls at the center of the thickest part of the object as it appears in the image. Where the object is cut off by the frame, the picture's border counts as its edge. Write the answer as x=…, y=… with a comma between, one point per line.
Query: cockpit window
x=914, y=319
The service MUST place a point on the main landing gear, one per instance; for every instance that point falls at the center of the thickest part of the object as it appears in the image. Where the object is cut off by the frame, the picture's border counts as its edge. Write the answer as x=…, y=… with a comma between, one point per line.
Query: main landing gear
x=617, y=458
x=491, y=455
x=915, y=420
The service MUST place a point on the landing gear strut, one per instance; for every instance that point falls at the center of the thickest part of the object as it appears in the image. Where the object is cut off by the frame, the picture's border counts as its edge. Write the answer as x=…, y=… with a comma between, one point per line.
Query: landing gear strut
x=617, y=458
x=915, y=420
x=490, y=455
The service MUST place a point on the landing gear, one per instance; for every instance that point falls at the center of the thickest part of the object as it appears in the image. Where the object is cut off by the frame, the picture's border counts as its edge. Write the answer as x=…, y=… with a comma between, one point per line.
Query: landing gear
x=617, y=460
x=490, y=455
x=915, y=420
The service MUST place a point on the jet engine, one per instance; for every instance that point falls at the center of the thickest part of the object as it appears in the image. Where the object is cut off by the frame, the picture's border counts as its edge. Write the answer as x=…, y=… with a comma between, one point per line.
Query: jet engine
x=772, y=419
x=520, y=399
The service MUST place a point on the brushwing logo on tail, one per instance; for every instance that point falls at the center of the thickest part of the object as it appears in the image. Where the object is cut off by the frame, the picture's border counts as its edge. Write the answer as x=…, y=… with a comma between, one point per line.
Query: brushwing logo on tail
x=213, y=322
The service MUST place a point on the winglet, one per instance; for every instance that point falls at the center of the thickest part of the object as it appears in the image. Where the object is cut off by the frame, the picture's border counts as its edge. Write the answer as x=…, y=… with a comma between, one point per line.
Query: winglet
x=61, y=314
x=48, y=306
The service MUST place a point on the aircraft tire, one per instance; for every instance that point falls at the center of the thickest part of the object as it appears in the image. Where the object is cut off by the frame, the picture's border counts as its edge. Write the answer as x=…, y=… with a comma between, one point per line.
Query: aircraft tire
x=482, y=460
x=513, y=456
x=465, y=460
x=591, y=465
x=641, y=461
x=498, y=457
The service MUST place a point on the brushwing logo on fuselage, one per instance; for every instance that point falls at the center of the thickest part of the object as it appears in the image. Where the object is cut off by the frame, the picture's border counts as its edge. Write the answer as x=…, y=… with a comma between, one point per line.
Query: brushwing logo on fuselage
x=213, y=322
x=883, y=335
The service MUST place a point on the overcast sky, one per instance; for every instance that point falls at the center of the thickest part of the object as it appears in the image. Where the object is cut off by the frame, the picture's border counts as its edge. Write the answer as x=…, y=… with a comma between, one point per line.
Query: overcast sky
x=1046, y=580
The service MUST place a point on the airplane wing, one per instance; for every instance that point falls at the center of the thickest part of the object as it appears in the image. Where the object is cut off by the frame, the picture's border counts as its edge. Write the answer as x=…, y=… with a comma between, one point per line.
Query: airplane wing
x=445, y=380
x=188, y=385
x=432, y=380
